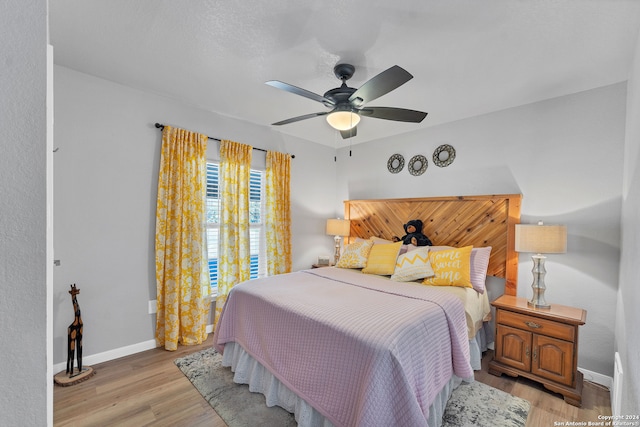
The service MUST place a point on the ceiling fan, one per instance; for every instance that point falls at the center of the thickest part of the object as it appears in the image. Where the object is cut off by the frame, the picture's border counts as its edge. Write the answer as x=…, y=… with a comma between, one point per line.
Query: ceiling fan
x=348, y=104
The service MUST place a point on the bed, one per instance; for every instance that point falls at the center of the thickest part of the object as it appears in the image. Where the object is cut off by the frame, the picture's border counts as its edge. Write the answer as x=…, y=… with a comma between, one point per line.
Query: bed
x=340, y=347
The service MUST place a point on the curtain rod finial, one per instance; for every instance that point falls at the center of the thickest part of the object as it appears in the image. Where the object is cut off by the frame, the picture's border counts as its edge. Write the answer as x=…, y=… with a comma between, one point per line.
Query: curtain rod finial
x=159, y=126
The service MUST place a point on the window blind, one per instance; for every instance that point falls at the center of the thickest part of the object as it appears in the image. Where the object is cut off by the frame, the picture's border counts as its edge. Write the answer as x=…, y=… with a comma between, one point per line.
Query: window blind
x=256, y=228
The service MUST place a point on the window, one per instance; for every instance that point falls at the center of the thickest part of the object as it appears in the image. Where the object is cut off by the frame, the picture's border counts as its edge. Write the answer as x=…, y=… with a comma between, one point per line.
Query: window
x=256, y=218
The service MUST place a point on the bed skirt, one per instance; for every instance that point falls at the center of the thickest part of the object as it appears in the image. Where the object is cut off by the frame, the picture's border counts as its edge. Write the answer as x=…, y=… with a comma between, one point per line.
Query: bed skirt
x=249, y=371
x=479, y=345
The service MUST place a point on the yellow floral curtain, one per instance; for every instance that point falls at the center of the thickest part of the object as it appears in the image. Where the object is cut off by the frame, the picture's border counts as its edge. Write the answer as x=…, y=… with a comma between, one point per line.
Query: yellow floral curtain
x=182, y=275
x=234, y=263
x=278, y=215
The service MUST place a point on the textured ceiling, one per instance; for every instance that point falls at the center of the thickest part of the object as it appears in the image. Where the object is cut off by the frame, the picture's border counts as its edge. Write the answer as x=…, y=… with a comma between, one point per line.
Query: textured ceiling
x=467, y=57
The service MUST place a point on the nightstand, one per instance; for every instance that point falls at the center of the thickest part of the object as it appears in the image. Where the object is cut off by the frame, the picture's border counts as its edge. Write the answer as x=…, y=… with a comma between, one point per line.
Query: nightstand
x=539, y=344
x=320, y=265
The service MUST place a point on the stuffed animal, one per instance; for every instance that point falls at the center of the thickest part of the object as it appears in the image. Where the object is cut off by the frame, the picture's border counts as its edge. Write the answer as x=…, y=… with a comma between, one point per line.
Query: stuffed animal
x=414, y=236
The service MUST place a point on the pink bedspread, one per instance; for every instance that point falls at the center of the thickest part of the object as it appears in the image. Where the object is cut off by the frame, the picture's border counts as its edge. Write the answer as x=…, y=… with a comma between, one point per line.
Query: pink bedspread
x=362, y=350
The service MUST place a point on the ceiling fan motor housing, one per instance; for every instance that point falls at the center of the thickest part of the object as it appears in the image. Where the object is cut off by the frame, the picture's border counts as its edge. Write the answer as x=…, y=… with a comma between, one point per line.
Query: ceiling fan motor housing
x=339, y=95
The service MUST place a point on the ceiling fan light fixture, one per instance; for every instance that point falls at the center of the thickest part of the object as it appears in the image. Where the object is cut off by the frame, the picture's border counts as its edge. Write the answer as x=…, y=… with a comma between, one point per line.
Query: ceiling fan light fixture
x=343, y=120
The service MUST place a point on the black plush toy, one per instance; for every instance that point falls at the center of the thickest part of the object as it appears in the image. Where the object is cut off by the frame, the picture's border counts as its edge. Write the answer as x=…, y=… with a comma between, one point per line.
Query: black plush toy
x=414, y=234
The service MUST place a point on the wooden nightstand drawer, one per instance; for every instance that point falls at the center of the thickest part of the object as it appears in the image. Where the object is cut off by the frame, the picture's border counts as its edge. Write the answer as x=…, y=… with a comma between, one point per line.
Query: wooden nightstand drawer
x=537, y=325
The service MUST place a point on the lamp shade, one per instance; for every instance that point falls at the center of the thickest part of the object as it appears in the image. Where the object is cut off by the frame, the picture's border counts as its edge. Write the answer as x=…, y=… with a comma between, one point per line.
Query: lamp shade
x=338, y=227
x=541, y=239
x=343, y=120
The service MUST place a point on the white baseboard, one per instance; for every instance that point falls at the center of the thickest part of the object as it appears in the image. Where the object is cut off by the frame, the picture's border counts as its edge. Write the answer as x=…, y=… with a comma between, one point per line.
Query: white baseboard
x=597, y=378
x=116, y=353
x=106, y=356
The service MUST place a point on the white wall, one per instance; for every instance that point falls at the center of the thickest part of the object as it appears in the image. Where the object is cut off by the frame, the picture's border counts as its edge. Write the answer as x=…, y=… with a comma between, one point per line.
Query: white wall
x=24, y=381
x=627, y=313
x=106, y=170
x=564, y=156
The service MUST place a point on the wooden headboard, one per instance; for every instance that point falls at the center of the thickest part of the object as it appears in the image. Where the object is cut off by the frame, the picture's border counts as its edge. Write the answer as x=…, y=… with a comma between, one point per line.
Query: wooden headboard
x=448, y=221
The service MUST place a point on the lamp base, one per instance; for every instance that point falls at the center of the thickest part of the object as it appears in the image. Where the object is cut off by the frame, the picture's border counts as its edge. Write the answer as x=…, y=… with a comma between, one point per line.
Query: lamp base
x=538, y=286
x=336, y=254
x=535, y=304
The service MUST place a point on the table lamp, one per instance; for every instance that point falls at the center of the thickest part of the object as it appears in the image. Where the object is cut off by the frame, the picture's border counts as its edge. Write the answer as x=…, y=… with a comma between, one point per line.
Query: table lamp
x=338, y=228
x=540, y=239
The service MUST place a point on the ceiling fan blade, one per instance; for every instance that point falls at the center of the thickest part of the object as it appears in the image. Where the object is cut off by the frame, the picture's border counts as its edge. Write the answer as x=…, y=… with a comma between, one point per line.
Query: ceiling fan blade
x=349, y=132
x=297, y=119
x=299, y=91
x=396, y=114
x=379, y=85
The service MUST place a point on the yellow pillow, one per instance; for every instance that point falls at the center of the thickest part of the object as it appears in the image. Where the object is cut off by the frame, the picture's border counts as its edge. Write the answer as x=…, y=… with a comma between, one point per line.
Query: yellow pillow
x=382, y=259
x=452, y=267
x=355, y=254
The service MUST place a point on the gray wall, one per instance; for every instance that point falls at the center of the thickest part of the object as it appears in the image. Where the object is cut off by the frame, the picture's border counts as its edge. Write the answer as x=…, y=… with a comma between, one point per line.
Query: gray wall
x=106, y=170
x=564, y=156
x=627, y=313
x=24, y=381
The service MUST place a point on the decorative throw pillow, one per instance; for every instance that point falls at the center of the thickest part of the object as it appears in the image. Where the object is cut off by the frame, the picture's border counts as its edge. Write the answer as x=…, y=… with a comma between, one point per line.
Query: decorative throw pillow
x=413, y=265
x=355, y=255
x=382, y=259
x=479, y=264
x=452, y=267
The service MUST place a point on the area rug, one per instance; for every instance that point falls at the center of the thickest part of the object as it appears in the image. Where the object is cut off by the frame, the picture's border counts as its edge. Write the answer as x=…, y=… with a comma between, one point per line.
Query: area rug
x=474, y=404
x=477, y=404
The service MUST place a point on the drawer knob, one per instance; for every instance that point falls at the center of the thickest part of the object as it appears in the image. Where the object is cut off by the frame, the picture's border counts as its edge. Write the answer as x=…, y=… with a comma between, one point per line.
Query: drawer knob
x=533, y=325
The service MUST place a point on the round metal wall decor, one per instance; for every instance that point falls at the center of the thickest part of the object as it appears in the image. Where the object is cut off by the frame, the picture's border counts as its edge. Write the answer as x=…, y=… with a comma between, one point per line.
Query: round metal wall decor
x=395, y=163
x=417, y=165
x=444, y=155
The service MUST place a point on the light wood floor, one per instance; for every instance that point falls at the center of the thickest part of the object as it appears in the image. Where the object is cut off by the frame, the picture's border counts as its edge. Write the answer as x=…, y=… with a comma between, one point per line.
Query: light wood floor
x=148, y=389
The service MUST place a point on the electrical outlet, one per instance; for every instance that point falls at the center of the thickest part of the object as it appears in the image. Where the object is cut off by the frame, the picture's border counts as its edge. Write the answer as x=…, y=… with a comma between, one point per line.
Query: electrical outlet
x=153, y=307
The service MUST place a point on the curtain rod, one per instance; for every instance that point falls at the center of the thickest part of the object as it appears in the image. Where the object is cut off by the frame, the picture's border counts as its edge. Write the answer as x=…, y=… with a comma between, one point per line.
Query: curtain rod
x=161, y=126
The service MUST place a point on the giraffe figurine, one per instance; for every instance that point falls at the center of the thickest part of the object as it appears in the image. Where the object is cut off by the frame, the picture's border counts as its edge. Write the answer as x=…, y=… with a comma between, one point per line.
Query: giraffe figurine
x=74, y=334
